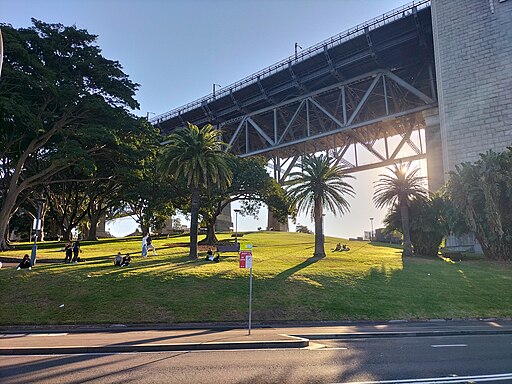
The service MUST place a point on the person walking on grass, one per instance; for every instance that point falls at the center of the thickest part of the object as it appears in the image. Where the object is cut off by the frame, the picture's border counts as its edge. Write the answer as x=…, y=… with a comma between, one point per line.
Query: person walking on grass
x=69, y=252
x=150, y=245
x=145, y=245
x=76, y=251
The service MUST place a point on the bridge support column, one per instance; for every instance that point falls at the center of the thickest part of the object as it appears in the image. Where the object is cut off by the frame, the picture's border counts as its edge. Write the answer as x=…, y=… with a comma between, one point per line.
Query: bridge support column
x=168, y=227
x=434, y=150
x=101, y=231
x=274, y=225
x=224, y=223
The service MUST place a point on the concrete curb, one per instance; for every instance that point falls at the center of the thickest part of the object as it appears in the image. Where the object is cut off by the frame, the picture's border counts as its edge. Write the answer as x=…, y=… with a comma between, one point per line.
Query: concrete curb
x=296, y=342
x=383, y=335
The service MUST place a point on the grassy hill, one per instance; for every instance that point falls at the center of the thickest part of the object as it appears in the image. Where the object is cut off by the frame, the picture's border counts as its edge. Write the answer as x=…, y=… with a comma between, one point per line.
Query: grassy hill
x=368, y=282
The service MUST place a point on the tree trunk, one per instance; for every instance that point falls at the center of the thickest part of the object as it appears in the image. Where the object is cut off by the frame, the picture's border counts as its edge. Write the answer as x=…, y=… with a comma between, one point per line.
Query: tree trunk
x=5, y=216
x=94, y=218
x=194, y=216
x=319, y=230
x=211, y=238
x=404, y=212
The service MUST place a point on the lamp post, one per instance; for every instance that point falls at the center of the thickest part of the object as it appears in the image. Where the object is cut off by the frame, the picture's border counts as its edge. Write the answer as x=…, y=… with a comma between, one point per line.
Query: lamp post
x=37, y=227
x=371, y=232
x=215, y=85
x=297, y=47
x=236, y=225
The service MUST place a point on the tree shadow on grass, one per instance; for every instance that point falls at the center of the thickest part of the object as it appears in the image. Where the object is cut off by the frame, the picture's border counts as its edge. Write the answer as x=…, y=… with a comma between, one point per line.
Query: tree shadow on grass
x=290, y=271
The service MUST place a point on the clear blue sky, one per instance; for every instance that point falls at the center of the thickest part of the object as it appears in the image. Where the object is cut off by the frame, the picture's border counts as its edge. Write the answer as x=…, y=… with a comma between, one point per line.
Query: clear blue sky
x=176, y=50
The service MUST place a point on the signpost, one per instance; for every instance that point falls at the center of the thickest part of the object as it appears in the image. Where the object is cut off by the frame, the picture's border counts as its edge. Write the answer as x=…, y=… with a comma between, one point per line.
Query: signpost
x=246, y=262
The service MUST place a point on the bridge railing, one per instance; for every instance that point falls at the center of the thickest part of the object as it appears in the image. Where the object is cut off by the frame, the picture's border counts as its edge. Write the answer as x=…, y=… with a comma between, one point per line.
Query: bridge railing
x=304, y=54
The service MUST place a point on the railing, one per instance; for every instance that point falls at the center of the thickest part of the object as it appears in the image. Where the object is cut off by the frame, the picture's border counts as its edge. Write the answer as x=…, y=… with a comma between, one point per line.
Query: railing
x=304, y=54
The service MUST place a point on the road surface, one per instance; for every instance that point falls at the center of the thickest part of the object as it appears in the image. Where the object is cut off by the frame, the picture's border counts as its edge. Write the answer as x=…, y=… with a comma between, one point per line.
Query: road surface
x=486, y=358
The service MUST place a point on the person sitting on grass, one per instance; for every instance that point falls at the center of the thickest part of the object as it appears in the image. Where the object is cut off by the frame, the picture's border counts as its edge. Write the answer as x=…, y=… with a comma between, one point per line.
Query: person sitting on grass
x=338, y=248
x=126, y=260
x=209, y=255
x=118, y=260
x=25, y=263
x=345, y=248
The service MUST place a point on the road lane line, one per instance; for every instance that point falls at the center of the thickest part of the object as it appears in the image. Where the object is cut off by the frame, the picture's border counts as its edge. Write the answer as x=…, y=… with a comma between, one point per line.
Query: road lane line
x=448, y=345
x=441, y=380
x=46, y=334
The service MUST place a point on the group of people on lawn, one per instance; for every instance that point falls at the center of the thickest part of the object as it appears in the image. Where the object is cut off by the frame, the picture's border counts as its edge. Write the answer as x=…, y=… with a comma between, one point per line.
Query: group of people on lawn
x=341, y=248
x=124, y=261
x=72, y=251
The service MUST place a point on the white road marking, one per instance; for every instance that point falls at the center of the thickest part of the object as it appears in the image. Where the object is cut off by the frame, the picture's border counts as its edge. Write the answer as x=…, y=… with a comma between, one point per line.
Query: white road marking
x=46, y=334
x=13, y=335
x=332, y=349
x=448, y=345
x=442, y=380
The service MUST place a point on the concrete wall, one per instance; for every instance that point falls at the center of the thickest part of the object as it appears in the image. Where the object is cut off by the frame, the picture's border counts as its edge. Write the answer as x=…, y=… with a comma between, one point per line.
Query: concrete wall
x=473, y=55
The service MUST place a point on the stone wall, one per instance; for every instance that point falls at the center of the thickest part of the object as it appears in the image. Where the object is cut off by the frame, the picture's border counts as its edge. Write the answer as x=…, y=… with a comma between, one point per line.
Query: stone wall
x=473, y=55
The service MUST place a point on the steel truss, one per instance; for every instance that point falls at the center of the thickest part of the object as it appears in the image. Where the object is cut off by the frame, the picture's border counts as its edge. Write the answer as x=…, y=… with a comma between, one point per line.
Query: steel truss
x=343, y=119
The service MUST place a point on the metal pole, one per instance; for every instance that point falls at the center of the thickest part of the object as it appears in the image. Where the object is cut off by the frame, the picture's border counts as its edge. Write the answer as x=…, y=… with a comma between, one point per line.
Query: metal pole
x=236, y=225
x=371, y=233
x=250, y=300
x=34, y=247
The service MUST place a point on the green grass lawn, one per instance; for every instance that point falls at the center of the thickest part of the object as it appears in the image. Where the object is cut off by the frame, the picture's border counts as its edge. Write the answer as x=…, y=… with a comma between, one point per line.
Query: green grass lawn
x=368, y=282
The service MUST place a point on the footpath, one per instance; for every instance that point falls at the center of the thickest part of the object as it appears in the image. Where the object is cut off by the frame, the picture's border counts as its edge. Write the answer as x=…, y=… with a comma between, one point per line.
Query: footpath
x=119, y=338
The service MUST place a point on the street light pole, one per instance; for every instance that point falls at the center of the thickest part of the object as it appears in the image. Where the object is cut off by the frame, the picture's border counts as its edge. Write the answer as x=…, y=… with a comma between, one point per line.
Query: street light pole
x=371, y=233
x=215, y=85
x=37, y=227
x=236, y=225
x=297, y=46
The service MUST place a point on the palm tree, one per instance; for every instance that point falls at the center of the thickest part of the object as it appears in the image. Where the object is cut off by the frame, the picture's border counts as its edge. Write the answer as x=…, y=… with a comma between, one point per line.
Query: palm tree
x=399, y=189
x=196, y=155
x=319, y=185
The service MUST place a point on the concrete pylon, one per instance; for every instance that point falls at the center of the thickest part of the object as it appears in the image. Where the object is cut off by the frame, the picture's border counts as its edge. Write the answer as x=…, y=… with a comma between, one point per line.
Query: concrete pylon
x=434, y=150
x=101, y=231
x=274, y=225
x=224, y=222
x=168, y=227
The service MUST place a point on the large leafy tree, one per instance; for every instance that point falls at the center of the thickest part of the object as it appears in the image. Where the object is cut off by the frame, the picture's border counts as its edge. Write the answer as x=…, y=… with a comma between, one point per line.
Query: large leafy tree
x=398, y=189
x=253, y=186
x=196, y=156
x=481, y=193
x=60, y=102
x=319, y=185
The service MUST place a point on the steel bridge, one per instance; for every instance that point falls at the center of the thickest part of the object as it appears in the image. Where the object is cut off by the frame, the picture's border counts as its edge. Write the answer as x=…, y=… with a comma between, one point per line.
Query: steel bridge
x=347, y=94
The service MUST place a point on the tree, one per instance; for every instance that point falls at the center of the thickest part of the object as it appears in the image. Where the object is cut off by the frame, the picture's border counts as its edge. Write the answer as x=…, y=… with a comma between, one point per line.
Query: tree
x=196, y=155
x=60, y=101
x=319, y=185
x=398, y=189
x=482, y=193
x=302, y=229
x=427, y=224
x=251, y=184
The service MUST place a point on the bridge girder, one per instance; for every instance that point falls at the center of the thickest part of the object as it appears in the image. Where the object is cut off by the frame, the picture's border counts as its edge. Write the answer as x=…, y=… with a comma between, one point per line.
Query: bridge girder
x=357, y=112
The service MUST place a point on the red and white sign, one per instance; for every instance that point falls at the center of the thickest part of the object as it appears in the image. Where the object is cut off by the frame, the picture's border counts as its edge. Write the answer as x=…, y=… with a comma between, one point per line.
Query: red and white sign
x=245, y=259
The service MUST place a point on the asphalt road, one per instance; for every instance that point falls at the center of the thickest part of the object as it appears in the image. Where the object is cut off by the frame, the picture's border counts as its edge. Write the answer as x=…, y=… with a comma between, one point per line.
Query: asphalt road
x=325, y=361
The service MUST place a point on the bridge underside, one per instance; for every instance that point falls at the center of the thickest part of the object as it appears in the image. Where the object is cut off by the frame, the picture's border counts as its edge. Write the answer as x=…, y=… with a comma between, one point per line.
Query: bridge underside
x=361, y=95
x=353, y=91
x=356, y=113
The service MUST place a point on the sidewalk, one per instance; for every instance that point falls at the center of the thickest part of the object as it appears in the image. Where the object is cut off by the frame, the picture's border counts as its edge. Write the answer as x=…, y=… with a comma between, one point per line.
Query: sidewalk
x=119, y=338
